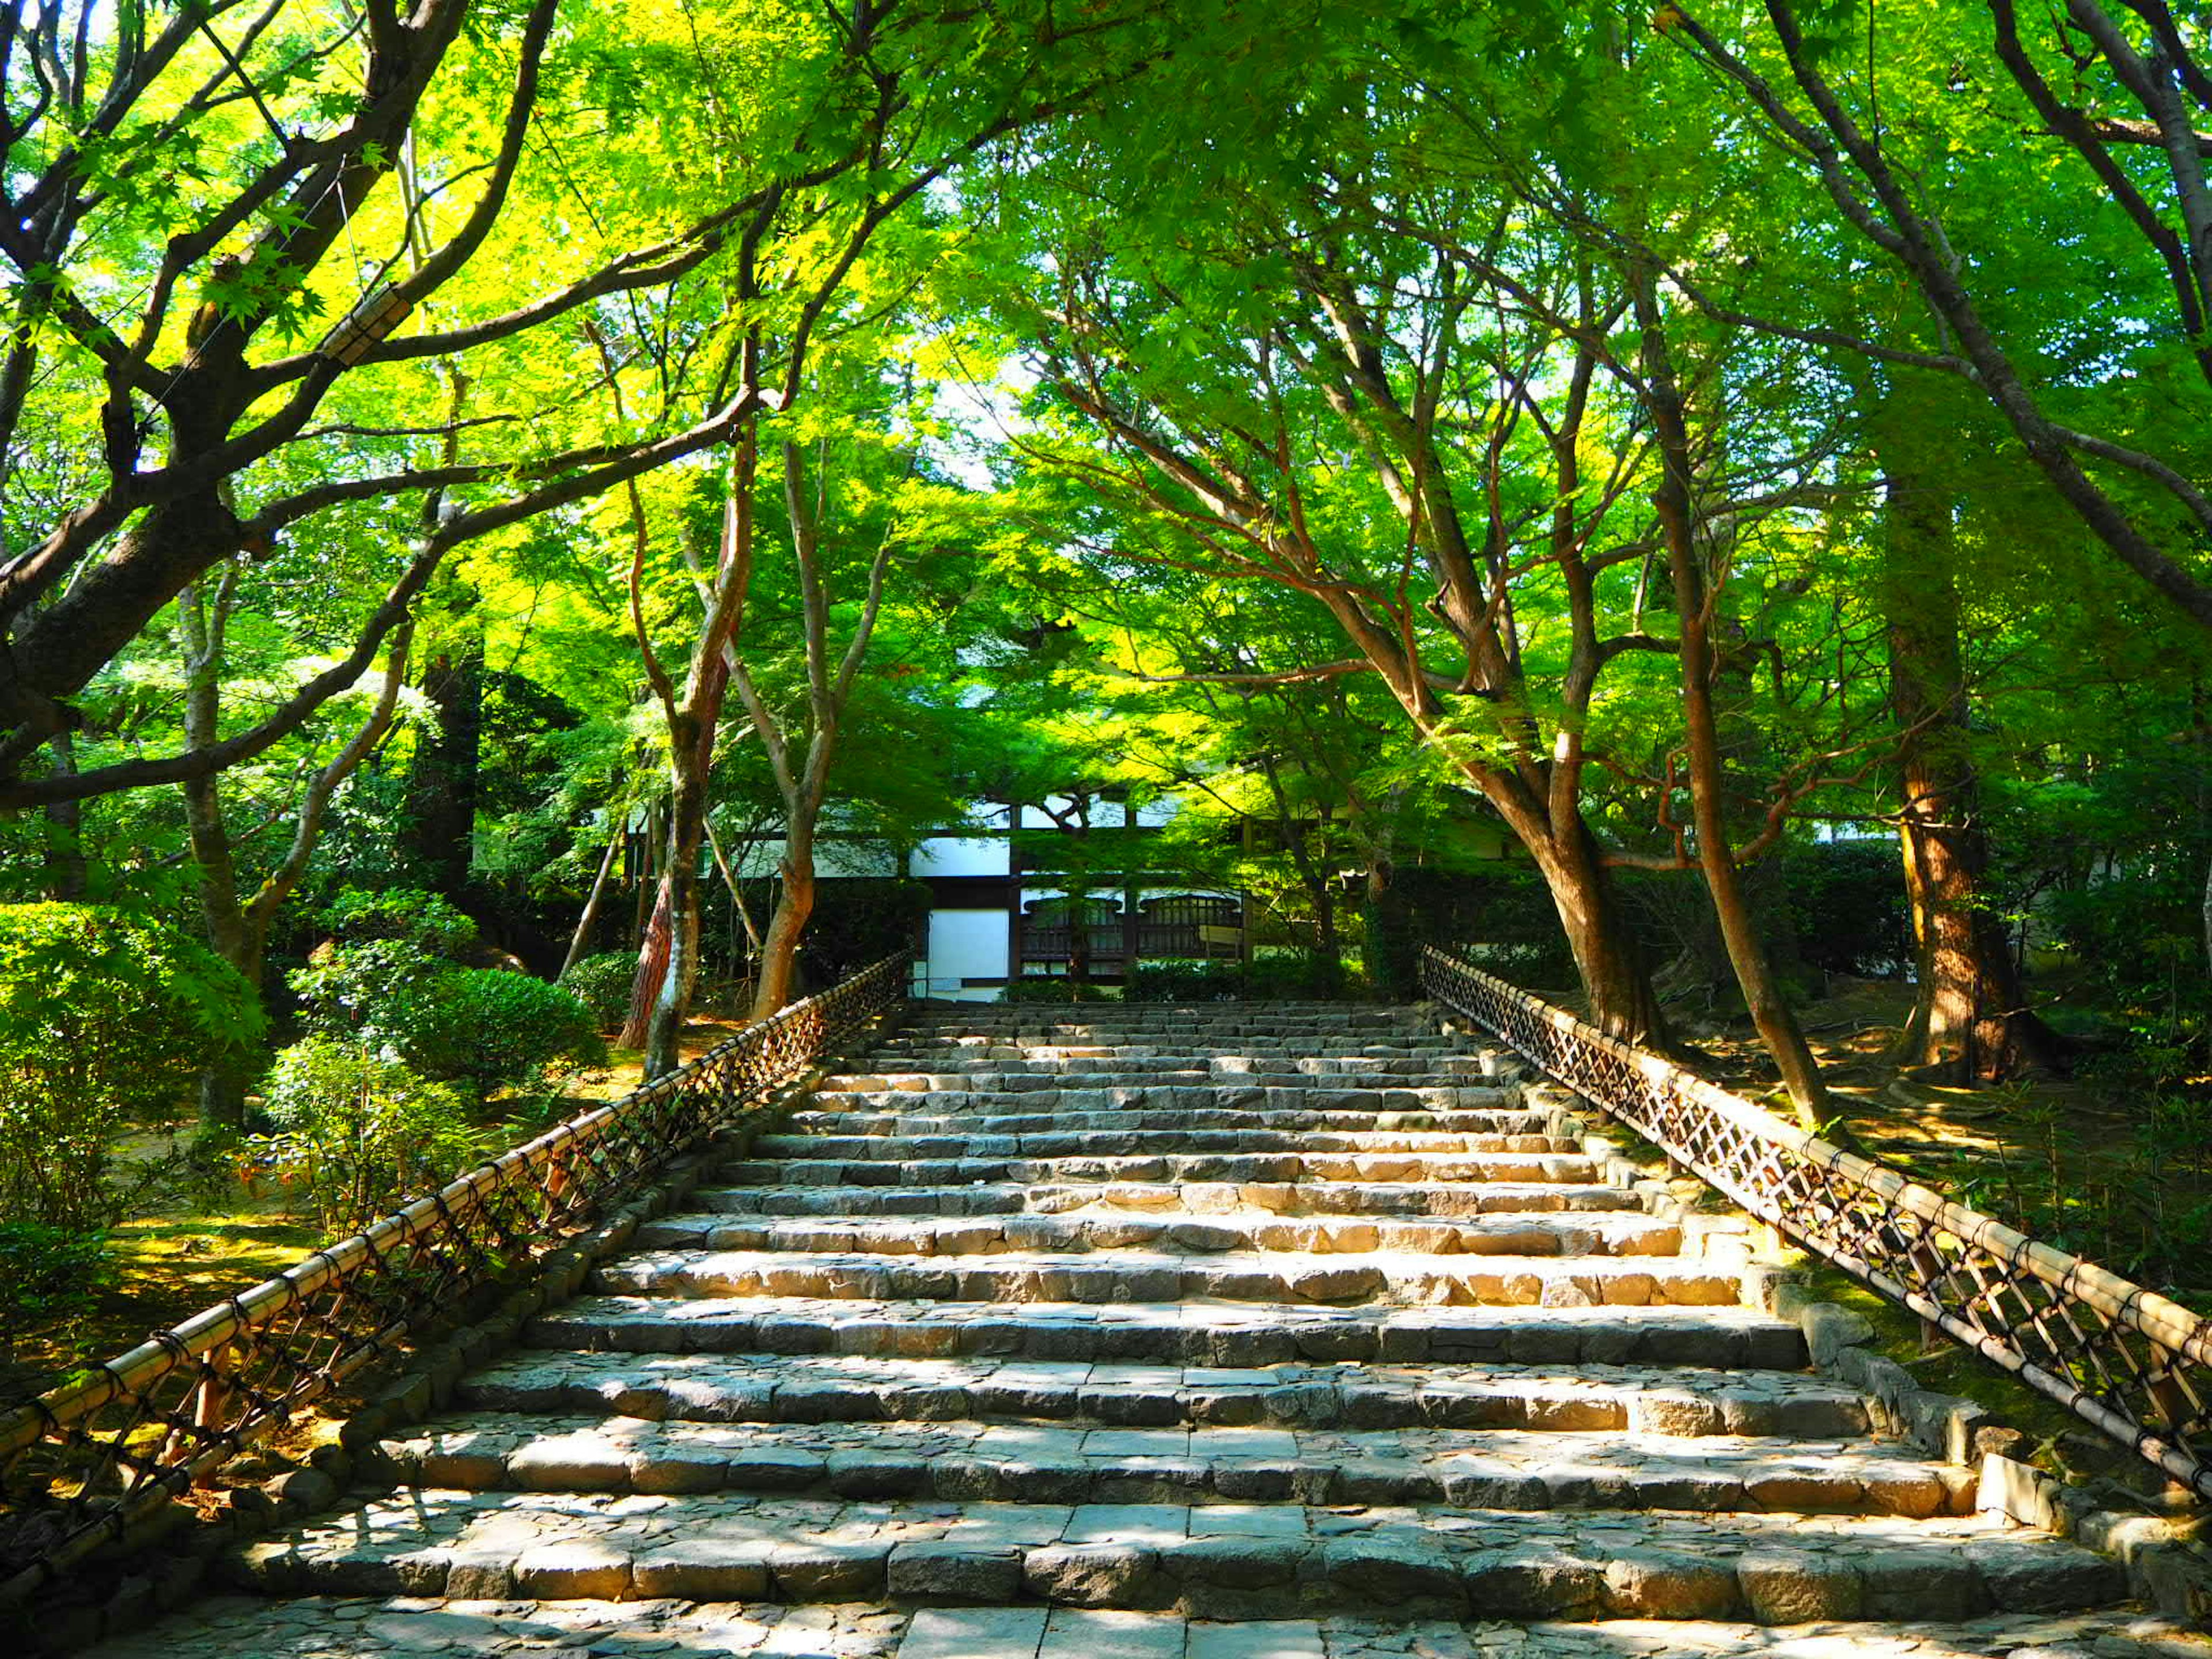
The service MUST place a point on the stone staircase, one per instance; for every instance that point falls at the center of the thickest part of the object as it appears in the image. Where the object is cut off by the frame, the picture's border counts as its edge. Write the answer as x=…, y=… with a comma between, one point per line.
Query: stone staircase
x=1246, y=1331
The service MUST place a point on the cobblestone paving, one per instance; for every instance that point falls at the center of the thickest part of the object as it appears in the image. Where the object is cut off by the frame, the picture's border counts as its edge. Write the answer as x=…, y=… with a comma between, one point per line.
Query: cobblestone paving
x=1247, y=1333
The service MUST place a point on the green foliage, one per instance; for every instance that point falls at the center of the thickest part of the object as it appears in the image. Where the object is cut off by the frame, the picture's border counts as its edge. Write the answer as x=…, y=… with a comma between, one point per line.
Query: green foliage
x=859, y=920
x=1173, y=979
x=428, y=921
x=377, y=993
x=603, y=984
x=47, y=1270
x=1299, y=975
x=1501, y=918
x=1847, y=902
x=104, y=1017
x=482, y=1026
x=360, y=1132
x=1051, y=988
x=494, y=1030
x=2139, y=936
x=1272, y=974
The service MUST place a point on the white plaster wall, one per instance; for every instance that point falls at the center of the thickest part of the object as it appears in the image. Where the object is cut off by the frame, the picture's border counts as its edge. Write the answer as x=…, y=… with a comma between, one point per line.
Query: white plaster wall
x=965, y=945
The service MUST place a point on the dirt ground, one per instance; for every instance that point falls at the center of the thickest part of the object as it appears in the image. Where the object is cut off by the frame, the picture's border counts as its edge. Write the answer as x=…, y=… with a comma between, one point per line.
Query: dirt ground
x=2064, y=1160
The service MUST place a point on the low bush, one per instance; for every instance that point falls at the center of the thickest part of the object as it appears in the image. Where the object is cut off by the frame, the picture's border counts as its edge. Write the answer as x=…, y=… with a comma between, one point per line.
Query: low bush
x=1271, y=976
x=603, y=982
x=360, y=1132
x=104, y=1017
x=1298, y=975
x=486, y=1027
x=860, y=920
x=495, y=1030
x=377, y=993
x=428, y=921
x=1501, y=917
x=1050, y=988
x=1177, y=979
x=45, y=1271
x=1847, y=906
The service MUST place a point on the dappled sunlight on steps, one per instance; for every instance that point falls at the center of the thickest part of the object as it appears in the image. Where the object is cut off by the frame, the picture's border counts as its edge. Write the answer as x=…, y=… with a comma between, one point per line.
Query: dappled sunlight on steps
x=1254, y=1331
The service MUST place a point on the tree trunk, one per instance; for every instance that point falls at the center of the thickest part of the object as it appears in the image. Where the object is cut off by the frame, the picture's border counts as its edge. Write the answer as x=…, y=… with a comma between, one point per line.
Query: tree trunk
x=668, y=961
x=441, y=791
x=654, y=946
x=2207, y=913
x=230, y=932
x=676, y=913
x=1770, y=1011
x=580, y=941
x=1616, y=984
x=1328, y=959
x=238, y=927
x=1970, y=1020
x=794, y=906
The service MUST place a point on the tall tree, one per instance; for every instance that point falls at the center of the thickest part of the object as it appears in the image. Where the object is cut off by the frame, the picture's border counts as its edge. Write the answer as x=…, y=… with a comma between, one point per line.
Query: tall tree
x=800, y=759
x=2137, y=89
x=235, y=182
x=238, y=921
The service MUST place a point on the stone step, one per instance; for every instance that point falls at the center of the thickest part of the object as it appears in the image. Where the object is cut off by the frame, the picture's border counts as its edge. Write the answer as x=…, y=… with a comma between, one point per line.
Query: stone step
x=357, y=1627
x=1300, y=1015
x=835, y=1388
x=1173, y=1168
x=1229, y=1561
x=1129, y=1275
x=986, y=1094
x=1405, y=1365
x=1208, y=1045
x=1041, y=1463
x=1114, y=1027
x=956, y=1071
x=1148, y=1143
x=1619, y=1233
x=1215, y=1334
x=1364, y=1199
x=894, y=1115
x=965, y=1016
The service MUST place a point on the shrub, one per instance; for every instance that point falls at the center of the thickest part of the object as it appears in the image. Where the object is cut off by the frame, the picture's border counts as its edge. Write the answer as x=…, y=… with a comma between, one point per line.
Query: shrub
x=603, y=983
x=1176, y=979
x=428, y=921
x=861, y=920
x=1050, y=988
x=1297, y=973
x=45, y=1270
x=1501, y=918
x=377, y=993
x=361, y=1132
x=495, y=1030
x=484, y=1026
x=103, y=1016
x=1848, y=904
x=2138, y=937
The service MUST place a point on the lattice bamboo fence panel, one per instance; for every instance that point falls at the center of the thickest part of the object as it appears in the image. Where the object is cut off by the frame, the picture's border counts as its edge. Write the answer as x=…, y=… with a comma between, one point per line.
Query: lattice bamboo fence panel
x=2133, y=1362
x=85, y=1460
